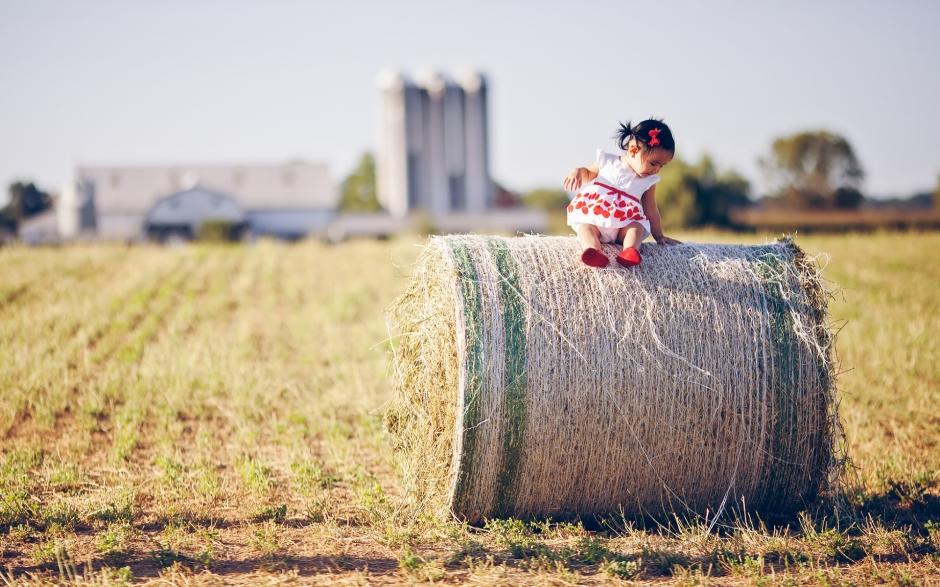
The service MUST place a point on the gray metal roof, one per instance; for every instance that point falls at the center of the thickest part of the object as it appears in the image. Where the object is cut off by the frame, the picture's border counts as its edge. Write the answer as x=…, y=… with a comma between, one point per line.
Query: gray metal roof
x=297, y=185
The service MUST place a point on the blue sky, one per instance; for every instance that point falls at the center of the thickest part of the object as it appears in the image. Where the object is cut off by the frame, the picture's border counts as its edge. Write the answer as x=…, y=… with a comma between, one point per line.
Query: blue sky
x=107, y=82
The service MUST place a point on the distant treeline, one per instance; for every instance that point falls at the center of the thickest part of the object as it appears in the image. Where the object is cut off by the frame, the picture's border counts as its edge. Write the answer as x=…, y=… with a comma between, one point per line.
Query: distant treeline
x=816, y=182
x=25, y=200
x=865, y=218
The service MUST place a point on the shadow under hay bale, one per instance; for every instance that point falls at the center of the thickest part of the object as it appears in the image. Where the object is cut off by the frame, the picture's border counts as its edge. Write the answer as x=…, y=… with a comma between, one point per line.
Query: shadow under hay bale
x=530, y=385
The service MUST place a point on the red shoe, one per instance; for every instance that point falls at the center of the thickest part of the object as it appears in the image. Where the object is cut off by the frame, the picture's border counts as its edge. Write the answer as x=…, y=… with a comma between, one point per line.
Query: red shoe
x=629, y=257
x=594, y=258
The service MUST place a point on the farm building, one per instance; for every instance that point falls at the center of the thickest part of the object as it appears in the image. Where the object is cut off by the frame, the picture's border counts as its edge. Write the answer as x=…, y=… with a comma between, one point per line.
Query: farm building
x=434, y=145
x=135, y=202
x=432, y=162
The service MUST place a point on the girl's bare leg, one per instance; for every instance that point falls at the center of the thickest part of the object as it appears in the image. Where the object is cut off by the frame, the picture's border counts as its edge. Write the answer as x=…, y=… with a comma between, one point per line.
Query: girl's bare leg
x=589, y=236
x=631, y=235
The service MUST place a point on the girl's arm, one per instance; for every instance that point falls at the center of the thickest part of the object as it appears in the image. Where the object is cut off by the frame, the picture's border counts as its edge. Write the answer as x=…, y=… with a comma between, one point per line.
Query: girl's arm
x=652, y=212
x=579, y=176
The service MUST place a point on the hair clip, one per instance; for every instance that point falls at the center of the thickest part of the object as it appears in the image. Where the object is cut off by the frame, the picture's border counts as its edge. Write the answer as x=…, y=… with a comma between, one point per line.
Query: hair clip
x=654, y=140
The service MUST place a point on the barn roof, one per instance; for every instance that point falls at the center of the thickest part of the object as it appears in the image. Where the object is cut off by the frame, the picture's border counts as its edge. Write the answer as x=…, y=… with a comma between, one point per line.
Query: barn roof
x=134, y=189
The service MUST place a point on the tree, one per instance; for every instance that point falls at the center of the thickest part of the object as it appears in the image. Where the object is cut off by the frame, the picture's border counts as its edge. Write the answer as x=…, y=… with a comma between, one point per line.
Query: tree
x=676, y=195
x=359, y=190
x=25, y=200
x=814, y=169
x=548, y=199
x=698, y=195
x=8, y=220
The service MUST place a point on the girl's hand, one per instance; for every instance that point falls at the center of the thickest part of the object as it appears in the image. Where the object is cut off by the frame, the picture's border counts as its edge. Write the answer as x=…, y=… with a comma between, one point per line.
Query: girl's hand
x=573, y=180
x=665, y=240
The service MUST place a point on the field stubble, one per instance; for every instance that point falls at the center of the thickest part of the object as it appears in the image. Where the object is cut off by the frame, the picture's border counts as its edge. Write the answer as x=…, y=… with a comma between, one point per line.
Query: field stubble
x=211, y=412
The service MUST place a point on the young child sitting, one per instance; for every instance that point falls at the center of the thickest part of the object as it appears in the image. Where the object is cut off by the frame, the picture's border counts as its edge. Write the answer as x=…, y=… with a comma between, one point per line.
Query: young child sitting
x=618, y=202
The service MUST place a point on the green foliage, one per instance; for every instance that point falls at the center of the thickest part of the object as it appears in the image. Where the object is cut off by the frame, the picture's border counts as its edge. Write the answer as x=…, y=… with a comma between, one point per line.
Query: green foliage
x=310, y=476
x=621, y=569
x=25, y=200
x=16, y=471
x=546, y=199
x=518, y=537
x=220, y=231
x=373, y=501
x=359, y=189
x=410, y=561
x=8, y=219
x=15, y=507
x=590, y=551
x=119, y=509
x=665, y=561
x=115, y=541
x=166, y=557
x=65, y=477
x=59, y=514
x=266, y=539
x=48, y=552
x=509, y=530
x=273, y=513
x=468, y=550
x=256, y=477
x=420, y=568
x=814, y=169
x=699, y=195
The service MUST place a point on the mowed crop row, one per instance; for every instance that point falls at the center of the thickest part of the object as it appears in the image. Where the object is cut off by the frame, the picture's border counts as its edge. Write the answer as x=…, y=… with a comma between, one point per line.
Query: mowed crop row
x=215, y=409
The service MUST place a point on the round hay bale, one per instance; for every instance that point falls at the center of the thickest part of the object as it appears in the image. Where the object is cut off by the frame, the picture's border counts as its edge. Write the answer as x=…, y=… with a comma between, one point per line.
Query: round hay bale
x=531, y=385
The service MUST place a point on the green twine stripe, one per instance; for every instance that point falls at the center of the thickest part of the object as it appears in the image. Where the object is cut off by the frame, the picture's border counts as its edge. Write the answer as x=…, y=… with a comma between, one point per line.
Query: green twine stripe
x=514, y=376
x=474, y=369
x=782, y=443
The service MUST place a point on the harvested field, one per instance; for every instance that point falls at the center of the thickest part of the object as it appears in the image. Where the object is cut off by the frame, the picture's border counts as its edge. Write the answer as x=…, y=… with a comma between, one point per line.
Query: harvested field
x=210, y=413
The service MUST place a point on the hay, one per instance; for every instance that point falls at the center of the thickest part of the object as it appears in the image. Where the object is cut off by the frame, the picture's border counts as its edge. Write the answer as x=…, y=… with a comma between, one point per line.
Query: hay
x=530, y=385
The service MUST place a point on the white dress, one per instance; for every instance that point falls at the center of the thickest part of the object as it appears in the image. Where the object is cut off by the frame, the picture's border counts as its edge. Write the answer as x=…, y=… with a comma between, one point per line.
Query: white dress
x=612, y=200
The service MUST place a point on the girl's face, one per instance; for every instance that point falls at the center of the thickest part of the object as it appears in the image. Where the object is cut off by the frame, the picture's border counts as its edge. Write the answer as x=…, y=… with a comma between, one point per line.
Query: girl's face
x=646, y=161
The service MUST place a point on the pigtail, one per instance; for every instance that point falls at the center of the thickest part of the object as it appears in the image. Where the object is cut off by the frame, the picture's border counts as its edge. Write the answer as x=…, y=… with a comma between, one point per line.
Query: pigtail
x=650, y=133
x=623, y=135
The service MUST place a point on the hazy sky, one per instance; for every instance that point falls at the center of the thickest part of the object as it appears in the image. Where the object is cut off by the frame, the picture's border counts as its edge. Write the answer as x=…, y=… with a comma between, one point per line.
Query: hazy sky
x=126, y=81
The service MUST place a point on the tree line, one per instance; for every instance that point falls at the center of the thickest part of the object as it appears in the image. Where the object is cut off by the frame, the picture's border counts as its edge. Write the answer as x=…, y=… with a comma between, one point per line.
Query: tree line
x=810, y=170
x=25, y=200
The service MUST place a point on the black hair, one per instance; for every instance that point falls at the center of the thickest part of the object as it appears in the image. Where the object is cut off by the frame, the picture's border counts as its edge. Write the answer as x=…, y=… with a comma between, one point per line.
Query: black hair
x=641, y=134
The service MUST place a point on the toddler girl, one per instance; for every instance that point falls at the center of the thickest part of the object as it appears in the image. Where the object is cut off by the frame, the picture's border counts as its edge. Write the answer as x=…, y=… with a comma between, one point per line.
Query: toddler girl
x=618, y=202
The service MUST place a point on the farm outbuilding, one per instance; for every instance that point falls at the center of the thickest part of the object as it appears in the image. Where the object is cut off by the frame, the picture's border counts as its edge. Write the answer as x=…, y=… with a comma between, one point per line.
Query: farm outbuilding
x=288, y=200
x=181, y=214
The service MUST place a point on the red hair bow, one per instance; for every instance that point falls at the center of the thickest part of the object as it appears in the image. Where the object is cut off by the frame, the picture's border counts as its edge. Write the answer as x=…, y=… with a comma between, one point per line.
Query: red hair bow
x=654, y=140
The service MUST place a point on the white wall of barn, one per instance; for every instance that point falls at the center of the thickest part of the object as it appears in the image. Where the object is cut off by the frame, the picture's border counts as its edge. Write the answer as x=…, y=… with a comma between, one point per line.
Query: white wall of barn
x=193, y=207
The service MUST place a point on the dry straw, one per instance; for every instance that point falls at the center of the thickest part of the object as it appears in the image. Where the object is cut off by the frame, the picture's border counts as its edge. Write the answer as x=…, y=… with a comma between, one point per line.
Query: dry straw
x=531, y=385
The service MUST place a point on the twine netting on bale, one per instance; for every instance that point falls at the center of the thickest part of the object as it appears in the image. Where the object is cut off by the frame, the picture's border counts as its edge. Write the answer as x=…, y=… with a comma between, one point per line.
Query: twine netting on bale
x=531, y=385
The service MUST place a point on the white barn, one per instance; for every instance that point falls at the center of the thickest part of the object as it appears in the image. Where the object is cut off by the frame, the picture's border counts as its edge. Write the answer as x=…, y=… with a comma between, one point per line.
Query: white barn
x=133, y=202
